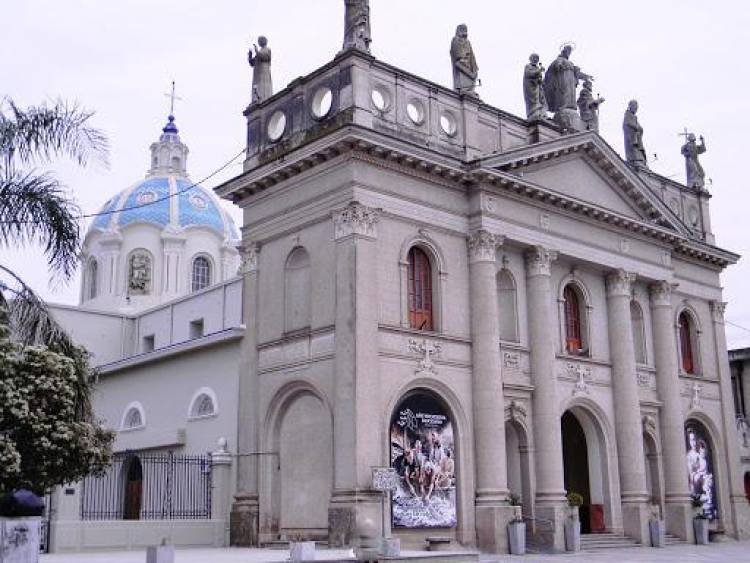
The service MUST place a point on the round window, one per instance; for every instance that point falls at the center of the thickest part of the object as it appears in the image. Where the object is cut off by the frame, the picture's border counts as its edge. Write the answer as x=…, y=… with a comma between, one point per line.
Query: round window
x=276, y=125
x=415, y=111
x=321, y=102
x=381, y=100
x=448, y=123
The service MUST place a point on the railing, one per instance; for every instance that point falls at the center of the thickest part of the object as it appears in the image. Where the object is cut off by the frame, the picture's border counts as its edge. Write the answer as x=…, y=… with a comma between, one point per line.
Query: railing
x=140, y=486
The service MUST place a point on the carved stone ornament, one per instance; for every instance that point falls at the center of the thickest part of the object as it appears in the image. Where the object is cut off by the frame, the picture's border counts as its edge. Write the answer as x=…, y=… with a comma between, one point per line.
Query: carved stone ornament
x=644, y=379
x=717, y=311
x=545, y=221
x=428, y=350
x=139, y=273
x=583, y=376
x=355, y=219
x=619, y=283
x=516, y=411
x=511, y=359
x=661, y=293
x=539, y=260
x=482, y=246
x=696, y=401
x=649, y=423
x=249, y=256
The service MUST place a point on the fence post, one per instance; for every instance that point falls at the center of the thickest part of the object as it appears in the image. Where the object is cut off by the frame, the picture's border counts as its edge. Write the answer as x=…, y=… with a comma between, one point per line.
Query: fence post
x=221, y=465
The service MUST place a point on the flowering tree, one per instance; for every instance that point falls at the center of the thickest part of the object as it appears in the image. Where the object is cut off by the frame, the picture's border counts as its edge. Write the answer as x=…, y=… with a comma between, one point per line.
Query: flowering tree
x=47, y=432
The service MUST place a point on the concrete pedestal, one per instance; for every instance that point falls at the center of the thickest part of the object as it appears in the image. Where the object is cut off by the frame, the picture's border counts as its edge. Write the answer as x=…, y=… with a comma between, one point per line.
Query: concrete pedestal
x=160, y=554
x=390, y=547
x=19, y=539
x=243, y=522
x=679, y=519
x=550, y=524
x=492, y=527
x=635, y=519
x=348, y=517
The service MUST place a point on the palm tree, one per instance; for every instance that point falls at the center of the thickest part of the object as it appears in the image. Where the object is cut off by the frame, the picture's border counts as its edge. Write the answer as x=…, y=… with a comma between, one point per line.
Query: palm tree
x=35, y=210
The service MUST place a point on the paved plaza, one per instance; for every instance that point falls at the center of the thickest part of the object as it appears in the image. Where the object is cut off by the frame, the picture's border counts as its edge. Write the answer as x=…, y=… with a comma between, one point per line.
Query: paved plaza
x=726, y=552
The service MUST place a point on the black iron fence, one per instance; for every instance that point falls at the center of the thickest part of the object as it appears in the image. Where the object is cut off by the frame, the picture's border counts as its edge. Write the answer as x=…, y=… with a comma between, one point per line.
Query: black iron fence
x=143, y=486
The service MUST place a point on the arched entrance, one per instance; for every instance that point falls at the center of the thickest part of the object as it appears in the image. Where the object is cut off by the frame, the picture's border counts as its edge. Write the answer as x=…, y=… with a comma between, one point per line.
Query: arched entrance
x=747, y=485
x=133, y=497
x=301, y=478
x=699, y=455
x=585, y=467
x=653, y=477
x=423, y=452
x=518, y=464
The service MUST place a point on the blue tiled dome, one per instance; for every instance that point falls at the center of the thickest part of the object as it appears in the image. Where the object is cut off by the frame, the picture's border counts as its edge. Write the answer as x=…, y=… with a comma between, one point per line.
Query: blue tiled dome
x=163, y=201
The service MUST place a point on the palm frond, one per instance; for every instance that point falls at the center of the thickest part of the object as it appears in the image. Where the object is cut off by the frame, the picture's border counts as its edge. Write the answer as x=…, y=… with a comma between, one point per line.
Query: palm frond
x=30, y=320
x=40, y=133
x=34, y=209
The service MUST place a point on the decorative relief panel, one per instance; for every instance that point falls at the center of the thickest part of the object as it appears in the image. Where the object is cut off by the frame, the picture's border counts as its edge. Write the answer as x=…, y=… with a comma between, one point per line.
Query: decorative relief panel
x=516, y=410
x=355, y=219
x=646, y=379
x=428, y=350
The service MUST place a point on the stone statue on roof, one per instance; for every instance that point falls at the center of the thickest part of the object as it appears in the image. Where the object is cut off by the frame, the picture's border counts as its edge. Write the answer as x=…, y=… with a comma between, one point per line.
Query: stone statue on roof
x=357, y=25
x=533, y=89
x=465, y=68
x=561, y=81
x=588, y=107
x=696, y=177
x=635, y=153
x=260, y=60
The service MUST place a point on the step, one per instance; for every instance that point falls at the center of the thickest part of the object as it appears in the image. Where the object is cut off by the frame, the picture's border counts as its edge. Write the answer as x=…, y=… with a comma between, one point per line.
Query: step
x=606, y=540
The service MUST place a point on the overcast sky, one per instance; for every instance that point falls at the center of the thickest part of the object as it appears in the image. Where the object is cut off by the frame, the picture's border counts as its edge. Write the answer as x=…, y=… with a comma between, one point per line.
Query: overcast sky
x=683, y=60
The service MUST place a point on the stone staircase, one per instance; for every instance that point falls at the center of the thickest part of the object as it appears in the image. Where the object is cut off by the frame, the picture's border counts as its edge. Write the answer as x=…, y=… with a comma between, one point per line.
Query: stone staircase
x=606, y=540
x=669, y=539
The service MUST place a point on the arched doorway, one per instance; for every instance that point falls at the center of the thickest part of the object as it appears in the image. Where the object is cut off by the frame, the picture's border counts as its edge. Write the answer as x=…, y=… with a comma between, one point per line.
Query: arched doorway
x=518, y=464
x=747, y=485
x=699, y=455
x=653, y=476
x=586, y=467
x=423, y=452
x=133, y=497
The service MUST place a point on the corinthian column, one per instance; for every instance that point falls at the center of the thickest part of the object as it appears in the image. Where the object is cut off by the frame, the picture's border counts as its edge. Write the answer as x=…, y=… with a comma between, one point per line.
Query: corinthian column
x=356, y=382
x=492, y=510
x=550, y=484
x=678, y=512
x=244, y=517
x=628, y=429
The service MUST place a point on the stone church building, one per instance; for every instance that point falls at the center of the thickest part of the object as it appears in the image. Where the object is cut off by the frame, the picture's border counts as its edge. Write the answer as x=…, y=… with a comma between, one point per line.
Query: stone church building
x=492, y=306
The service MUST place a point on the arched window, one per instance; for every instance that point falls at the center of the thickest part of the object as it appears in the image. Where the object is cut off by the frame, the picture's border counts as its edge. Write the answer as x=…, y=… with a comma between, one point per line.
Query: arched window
x=637, y=326
x=687, y=340
x=203, y=404
x=572, y=311
x=506, y=306
x=93, y=278
x=140, y=273
x=420, y=290
x=297, y=290
x=133, y=417
x=201, y=275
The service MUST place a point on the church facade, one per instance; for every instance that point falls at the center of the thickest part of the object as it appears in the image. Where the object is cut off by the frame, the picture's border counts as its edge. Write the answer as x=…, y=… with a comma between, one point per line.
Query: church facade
x=502, y=311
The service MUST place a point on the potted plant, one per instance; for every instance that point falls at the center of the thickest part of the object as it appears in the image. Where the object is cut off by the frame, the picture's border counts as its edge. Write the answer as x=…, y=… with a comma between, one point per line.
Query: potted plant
x=516, y=527
x=573, y=523
x=657, y=529
x=700, y=521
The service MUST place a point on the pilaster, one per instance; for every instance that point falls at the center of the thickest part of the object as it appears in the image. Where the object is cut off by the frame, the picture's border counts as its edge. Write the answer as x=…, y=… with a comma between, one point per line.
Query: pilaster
x=628, y=425
x=173, y=244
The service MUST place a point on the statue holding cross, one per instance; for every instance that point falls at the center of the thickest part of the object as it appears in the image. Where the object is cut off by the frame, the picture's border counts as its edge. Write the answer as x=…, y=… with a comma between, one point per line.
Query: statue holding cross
x=696, y=177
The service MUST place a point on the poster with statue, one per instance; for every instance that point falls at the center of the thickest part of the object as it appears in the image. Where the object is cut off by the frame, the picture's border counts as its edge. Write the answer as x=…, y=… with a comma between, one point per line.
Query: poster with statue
x=422, y=453
x=700, y=466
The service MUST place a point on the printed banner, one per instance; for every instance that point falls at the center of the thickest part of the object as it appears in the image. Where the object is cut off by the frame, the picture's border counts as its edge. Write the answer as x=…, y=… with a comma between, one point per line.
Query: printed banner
x=700, y=466
x=422, y=453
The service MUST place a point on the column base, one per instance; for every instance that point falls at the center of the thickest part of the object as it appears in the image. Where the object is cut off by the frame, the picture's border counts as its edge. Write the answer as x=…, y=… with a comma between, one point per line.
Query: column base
x=243, y=521
x=491, y=525
x=635, y=518
x=742, y=518
x=549, y=525
x=355, y=519
x=679, y=519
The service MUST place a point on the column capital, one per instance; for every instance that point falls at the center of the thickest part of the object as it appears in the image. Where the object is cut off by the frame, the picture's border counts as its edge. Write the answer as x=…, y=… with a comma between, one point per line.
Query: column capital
x=249, y=255
x=661, y=293
x=619, y=283
x=539, y=260
x=355, y=219
x=482, y=245
x=717, y=311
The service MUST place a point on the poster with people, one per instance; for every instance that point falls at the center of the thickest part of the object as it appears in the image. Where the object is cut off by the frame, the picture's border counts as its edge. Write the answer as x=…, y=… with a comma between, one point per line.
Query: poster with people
x=700, y=466
x=423, y=454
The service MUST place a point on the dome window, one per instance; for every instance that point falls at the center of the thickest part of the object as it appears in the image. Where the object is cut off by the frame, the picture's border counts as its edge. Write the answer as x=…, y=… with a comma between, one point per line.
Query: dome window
x=93, y=275
x=201, y=275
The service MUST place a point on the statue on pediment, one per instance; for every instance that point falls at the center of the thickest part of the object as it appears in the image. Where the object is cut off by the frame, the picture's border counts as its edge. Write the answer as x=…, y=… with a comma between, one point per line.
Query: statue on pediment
x=635, y=153
x=561, y=81
x=357, y=25
x=260, y=60
x=696, y=177
x=533, y=89
x=465, y=68
x=588, y=107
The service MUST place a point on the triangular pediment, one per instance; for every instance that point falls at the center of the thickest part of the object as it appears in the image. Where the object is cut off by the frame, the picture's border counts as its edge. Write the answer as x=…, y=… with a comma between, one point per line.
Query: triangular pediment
x=584, y=168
